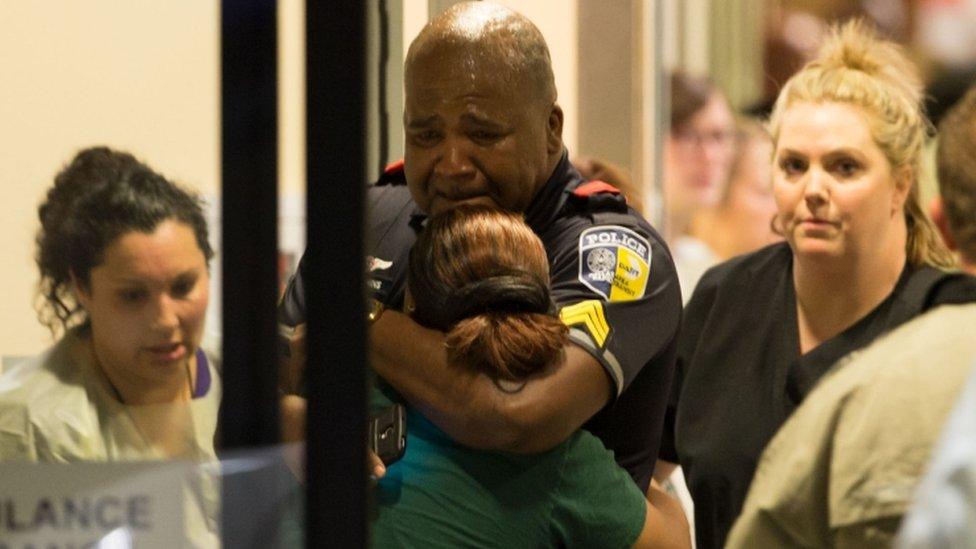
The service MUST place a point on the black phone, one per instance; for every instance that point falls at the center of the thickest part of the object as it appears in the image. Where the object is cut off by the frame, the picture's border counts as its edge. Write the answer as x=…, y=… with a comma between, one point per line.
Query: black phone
x=388, y=434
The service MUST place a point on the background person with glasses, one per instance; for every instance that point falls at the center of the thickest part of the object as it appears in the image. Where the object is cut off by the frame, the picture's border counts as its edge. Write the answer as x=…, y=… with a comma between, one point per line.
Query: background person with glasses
x=698, y=155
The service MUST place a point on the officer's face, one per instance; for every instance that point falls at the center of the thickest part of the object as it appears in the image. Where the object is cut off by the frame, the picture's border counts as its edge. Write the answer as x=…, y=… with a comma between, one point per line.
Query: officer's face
x=475, y=136
x=146, y=302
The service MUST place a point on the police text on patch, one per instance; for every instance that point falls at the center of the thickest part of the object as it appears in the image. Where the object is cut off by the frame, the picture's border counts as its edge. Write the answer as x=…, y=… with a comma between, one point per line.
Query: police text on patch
x=632, y=241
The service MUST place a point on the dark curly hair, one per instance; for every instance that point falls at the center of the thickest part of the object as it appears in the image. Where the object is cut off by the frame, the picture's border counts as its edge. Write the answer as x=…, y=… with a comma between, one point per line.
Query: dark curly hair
x=99, y=196
x=482, y=276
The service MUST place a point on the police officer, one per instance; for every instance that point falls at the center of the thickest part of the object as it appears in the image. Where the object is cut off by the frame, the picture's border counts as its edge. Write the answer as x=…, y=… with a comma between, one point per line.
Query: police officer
x=482, y=126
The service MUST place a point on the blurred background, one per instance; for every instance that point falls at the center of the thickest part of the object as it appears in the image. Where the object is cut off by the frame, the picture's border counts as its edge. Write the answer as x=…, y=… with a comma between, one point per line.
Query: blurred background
x=143, y=76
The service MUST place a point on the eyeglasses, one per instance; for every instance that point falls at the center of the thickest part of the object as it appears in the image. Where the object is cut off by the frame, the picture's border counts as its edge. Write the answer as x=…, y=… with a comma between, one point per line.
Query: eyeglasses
x=713, y=138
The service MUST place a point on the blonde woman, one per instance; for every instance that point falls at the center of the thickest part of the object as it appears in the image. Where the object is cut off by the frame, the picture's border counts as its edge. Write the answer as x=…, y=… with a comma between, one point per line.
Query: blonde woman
x=860, y=258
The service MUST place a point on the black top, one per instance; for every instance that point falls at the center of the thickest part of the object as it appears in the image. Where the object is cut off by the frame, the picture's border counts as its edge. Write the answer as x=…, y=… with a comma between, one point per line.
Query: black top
x=740, y=373
x=612, y=278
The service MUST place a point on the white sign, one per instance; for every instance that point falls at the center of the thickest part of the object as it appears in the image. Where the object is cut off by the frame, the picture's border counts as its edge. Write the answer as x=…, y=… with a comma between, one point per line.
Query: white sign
x=92, y=505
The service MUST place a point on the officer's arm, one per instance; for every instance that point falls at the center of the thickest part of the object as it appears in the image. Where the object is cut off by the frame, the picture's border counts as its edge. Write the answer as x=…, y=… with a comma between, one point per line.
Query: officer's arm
x=470, y=407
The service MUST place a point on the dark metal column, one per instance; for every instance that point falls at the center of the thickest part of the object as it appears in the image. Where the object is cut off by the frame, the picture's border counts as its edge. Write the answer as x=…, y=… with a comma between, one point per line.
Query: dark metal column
x=249, y=171
x=336, y=337
x=249, y=409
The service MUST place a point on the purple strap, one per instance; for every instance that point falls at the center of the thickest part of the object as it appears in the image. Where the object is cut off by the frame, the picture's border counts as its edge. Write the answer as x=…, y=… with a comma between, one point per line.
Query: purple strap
x=203, y=375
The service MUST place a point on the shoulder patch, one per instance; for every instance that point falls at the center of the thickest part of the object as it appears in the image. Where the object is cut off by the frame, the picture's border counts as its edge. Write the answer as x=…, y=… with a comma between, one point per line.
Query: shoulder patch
x=614, y=262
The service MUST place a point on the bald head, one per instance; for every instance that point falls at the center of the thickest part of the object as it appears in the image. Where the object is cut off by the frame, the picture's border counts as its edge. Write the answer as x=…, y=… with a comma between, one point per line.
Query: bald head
x=475, y=38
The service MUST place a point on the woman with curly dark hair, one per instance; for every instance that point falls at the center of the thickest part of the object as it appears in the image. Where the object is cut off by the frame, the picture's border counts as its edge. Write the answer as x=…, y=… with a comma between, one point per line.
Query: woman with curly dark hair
x=123, y=258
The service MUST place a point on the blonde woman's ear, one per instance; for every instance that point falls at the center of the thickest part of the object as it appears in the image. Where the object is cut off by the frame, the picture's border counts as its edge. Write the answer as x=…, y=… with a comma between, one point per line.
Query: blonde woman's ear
x=903, y=188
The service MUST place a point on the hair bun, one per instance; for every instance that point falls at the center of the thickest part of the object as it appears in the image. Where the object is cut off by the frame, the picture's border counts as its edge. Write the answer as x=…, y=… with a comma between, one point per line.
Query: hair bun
x=855, y=45
x=511, y=345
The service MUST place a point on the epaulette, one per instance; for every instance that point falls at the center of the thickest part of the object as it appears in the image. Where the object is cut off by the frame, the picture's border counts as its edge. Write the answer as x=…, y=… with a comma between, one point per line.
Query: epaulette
x=393, y=174
x=598, y=195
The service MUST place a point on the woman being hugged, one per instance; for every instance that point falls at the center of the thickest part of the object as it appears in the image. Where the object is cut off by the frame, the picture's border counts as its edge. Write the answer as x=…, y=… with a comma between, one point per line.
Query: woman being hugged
x=123, y=257
x=860, y=257
x=481, y=275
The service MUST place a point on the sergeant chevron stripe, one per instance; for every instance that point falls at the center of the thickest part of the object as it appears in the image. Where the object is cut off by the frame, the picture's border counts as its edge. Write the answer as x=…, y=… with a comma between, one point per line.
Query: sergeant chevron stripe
x=589, y=313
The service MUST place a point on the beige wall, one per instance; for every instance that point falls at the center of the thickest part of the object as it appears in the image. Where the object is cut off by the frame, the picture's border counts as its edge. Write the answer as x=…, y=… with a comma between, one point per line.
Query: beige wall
x=135, y=74
x=143, y=75
x=557, y=21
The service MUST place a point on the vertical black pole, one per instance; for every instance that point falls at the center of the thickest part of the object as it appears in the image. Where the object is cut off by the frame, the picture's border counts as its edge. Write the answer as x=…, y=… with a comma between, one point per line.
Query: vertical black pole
x=249, y=410
x=336, y=337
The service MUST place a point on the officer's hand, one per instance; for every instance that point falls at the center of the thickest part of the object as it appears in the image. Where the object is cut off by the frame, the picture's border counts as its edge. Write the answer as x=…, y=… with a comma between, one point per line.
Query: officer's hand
x=293, y=412
x=375, y=465
x=293, y=366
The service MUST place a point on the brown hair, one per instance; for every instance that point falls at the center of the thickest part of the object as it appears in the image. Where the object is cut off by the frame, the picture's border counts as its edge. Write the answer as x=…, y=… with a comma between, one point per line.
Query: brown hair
x=857, y=68
x=689, y=94
x=956, y=165
x=481, y=275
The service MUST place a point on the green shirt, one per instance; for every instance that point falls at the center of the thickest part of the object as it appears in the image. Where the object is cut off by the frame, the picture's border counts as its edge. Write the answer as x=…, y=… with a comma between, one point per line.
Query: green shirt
x=442, y=494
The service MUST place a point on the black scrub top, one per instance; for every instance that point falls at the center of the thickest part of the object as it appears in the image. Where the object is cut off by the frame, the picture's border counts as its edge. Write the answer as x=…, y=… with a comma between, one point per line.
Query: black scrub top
x=740, y=373
x=612, y=278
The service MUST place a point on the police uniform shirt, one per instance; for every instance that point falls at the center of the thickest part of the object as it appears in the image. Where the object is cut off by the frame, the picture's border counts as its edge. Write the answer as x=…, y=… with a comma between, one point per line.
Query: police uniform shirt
x=612, y=278
x=740, y=374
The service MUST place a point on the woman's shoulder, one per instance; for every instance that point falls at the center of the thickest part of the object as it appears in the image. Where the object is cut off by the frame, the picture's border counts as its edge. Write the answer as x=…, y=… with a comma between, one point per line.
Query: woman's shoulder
x=598, y=503
x=747, y=270
x=589, y=466
x=776, y=255
x=41, y=376
x=43, y=398
x=925, y=288
x=949, y=288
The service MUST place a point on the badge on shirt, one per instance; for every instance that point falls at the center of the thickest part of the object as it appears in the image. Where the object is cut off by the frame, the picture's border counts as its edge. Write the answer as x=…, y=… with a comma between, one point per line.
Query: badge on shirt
x=614, y=262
